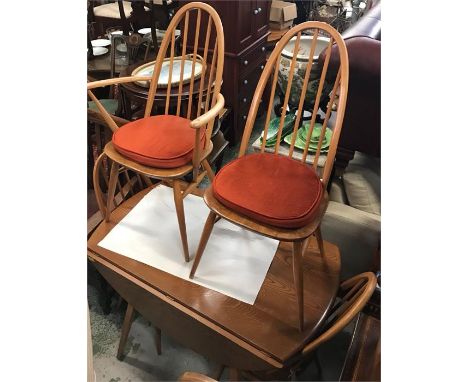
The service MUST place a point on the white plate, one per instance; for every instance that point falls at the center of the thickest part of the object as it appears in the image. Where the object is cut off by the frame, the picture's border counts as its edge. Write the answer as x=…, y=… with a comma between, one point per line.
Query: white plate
x=100, y=42
x=144, y=30
x=99, y=50
x=147, y=70
x=160, y=33
x=122, y=48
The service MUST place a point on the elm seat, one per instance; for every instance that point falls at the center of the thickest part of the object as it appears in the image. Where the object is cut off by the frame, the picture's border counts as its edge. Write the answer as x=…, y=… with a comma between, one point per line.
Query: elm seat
x=163, y=141
x=271, y=189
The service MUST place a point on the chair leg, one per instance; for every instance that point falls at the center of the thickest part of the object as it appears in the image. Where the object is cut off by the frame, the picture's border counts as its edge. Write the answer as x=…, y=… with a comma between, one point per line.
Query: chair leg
x=113, y=177
x=298, y=281
x=219, y=372
x=127, y=323
x=209, y=170
x=234, y=374
x=319, y=366
x=210, y=221
x=179, y=204
x=318, y=236
x=158, y=341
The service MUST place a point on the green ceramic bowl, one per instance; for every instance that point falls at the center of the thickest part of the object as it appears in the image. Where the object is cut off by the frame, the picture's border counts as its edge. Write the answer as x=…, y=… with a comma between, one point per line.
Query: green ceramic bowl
x=273, y=127
x=302, y=136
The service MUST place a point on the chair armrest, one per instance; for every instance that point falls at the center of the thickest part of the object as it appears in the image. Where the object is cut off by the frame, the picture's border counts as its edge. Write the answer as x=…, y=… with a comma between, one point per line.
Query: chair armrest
x=210, y=115
x=96, y=116
x=116, y=81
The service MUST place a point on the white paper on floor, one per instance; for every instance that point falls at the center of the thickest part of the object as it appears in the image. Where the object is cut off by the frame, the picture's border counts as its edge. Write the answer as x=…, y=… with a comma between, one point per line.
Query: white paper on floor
x=235, y=261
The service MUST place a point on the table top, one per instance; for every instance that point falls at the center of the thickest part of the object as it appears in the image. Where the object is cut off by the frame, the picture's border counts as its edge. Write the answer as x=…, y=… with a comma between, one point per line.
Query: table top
x=271, y=324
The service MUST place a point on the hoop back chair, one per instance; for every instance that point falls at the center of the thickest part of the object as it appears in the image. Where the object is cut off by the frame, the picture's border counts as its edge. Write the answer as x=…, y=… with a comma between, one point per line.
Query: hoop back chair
x=355, y=293
x=275, y=195
x=168, y=147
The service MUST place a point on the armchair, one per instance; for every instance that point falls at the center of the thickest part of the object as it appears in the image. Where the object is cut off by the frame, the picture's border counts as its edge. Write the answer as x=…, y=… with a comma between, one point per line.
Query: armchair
x=168, y=147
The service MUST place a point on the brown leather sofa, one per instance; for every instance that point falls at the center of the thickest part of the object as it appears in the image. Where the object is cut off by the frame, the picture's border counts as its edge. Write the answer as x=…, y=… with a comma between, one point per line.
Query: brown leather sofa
x=361, y=125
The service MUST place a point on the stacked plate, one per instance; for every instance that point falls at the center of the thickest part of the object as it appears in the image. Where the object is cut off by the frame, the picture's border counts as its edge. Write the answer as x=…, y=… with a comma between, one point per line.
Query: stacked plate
x=273, y=128
x=99, y=46
x=301, y=138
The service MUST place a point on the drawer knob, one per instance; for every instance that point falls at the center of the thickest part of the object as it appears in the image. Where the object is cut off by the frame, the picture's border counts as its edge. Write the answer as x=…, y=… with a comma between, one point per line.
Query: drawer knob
x=262, y=67
x=244, y=117
x=246, y=82
x=259, y=10
x=246, y=62
x=244, y=100
x=255, y=11
x=263, y=48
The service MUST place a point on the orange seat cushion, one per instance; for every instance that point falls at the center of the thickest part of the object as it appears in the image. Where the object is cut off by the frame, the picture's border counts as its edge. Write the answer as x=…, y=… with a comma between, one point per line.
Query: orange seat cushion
x=271, y=189
x=163, y=141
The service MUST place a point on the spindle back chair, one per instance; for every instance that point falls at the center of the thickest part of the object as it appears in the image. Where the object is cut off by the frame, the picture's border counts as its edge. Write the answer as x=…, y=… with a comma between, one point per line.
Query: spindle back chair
x=257, y=215
x=210, y=104
x=354, y=293
x=340, y=87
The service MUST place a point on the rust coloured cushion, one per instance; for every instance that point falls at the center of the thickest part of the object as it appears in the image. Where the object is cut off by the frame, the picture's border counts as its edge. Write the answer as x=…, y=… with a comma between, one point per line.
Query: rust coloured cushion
x=163, y=141
x=271, y=189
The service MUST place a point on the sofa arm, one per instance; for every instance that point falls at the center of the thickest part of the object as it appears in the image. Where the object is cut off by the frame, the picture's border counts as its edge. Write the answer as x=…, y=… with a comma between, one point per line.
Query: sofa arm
x=356, y=233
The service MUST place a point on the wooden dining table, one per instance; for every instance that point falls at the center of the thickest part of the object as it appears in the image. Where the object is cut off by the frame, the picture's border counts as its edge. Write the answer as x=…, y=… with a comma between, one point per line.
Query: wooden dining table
x=258, y=337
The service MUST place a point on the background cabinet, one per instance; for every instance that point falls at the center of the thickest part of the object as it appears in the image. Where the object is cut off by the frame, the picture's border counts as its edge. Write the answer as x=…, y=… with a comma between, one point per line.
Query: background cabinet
x=246, y=29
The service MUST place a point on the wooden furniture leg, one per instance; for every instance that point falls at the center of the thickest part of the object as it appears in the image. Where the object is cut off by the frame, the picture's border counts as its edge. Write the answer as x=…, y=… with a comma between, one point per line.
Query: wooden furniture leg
x=234, y=374
x=219, y=372
x=318, y=236
x=179, y=204
x=319, y=366
x=158, y=341
x=125, y=330
x=114, y=174
x=298, y=281
x=210, y=221
x=209, y=170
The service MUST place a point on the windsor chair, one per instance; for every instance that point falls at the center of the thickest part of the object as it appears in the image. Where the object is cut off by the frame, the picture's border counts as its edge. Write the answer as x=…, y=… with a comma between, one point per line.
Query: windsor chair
x=169, y=146
x=274, y=195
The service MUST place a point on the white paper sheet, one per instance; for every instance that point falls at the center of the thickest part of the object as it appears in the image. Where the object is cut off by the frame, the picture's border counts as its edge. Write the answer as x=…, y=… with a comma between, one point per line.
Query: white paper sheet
x=235, y=261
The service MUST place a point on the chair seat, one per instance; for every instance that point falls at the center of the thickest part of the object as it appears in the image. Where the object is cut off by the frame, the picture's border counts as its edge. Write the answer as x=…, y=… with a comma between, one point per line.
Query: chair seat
x=163, y=141
x=271, y=189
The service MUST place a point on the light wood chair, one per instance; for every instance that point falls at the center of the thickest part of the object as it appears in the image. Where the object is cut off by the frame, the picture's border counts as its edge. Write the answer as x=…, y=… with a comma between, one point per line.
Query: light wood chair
x=354, y=294
x=300, y=234
x=190, y=376
x=212, y=102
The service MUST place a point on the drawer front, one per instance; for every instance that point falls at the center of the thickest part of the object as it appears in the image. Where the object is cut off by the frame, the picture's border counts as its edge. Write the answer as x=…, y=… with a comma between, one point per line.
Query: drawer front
x=251, y=59
x=247, y=87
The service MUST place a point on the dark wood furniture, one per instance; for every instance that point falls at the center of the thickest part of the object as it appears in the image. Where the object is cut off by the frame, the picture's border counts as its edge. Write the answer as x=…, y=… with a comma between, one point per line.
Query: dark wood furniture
x=246, y=29
x=262, y=336
x=362, y=361
x=136, y=96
